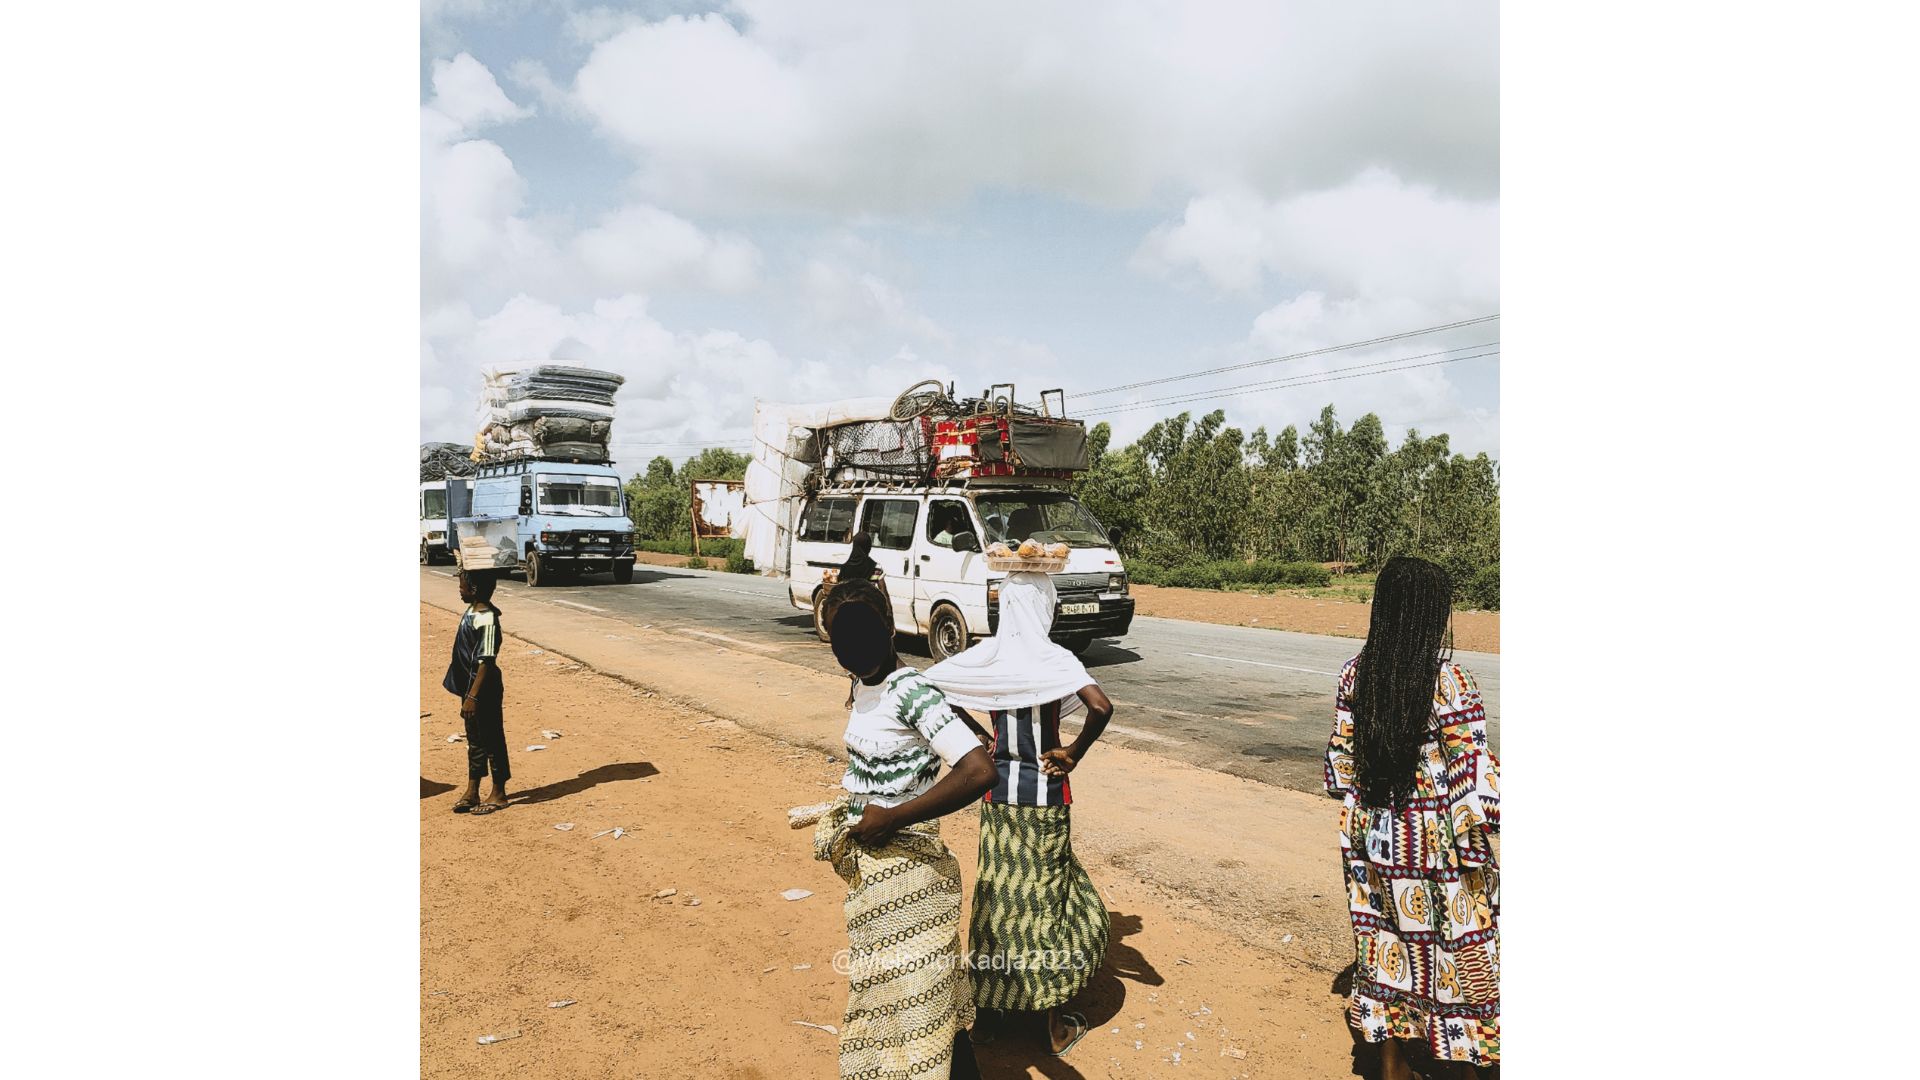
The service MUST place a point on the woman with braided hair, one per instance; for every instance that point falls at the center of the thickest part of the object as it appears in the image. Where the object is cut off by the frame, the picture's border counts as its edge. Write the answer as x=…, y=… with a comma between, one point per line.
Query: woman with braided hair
x=910, y=1001
x=1420, y=800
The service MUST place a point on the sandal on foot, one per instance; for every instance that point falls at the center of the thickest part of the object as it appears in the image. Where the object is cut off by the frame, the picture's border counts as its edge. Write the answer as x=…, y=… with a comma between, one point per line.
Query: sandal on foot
x=465, y=806
x=487, y=808
x=1073, y=1019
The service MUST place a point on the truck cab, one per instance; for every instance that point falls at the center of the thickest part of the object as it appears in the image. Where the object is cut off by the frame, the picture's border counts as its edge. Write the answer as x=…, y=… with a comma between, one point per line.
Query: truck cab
x=554, y=520
x=929, y=543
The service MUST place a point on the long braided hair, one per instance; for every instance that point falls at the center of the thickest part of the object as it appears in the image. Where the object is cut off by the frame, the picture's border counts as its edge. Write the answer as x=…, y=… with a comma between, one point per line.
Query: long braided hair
x=1393, y=686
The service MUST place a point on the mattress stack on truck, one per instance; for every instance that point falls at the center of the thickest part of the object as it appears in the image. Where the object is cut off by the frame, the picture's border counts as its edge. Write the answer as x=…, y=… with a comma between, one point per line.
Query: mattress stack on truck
x=546, y=411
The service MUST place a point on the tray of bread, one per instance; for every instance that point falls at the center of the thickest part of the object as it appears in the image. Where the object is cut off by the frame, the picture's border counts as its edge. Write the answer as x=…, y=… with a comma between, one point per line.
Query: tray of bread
x=1028, y=557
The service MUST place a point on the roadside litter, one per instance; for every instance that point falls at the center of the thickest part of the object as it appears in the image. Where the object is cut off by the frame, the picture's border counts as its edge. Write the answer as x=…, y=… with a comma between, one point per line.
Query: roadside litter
x=489, y=1040
x=796, y=894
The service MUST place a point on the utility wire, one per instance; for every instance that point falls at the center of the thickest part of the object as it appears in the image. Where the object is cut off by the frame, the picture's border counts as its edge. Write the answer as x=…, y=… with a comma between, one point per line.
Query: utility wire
x=1304, y=382
x=1194, y=395
x=1292, y=356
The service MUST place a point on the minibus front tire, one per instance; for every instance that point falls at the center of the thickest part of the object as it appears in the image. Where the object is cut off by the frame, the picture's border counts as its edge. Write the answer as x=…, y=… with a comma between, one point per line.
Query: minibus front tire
x=946, y=633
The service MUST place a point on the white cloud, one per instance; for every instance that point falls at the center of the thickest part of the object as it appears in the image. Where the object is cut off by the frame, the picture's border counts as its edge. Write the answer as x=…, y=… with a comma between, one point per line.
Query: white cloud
x=851, y=104
x=465, y=91
x=1374, y=237
x=643, y=247
x=682, y=387
x=858, y=308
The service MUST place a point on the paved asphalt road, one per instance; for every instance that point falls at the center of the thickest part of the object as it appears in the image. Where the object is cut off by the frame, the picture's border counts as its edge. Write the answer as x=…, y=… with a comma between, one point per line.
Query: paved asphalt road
x=1253, y=703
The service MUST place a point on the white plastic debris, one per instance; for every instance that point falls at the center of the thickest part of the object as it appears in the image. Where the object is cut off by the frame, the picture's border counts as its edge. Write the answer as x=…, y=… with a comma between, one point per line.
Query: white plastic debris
x=768, y=970
x=536, y=652
x=796, y=894
x=803, y=967
x=565, y=826
x=456, y=738
x=549, y=734
x=561, y=1004
x=618, y=833
x=664, y=893
x=695, y=902
x=536, y=746
x=489, y=1040
x=828, y=1028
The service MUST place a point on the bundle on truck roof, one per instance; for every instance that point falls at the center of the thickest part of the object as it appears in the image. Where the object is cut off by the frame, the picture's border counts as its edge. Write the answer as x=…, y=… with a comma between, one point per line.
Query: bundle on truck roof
x=921, y=437
x=546, y=411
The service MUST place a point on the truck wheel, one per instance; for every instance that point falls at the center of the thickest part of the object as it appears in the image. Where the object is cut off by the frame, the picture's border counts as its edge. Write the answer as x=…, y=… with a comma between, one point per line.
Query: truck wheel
x=623, y=572
x=819, y=628
x=537, y=576
x=946, y=633
x=1078, y=646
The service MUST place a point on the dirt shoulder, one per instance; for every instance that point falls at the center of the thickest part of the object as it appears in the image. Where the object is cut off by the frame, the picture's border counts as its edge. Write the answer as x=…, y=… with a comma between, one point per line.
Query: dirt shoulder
x=1202, y=873
x=1474, y=631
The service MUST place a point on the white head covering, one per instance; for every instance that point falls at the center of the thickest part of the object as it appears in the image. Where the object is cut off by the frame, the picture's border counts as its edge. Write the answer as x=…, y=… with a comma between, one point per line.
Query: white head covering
x=1019, y=666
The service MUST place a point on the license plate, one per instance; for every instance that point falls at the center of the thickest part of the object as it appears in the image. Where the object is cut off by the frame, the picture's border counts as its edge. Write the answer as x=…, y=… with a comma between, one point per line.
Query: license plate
x=1080, y=609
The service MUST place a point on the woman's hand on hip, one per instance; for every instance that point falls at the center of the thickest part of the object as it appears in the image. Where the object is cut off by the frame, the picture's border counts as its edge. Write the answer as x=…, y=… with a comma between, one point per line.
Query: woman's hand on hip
x=875, y=827
x=1058, y=762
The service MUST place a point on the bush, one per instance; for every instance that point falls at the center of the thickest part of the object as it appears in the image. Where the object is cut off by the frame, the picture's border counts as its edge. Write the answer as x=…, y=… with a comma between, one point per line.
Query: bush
x=724, y=547
x=1275, y=572
x=739, y=564
x=1224, y=572
x=1194, y=576
x=696, y=563
x=1482, y=590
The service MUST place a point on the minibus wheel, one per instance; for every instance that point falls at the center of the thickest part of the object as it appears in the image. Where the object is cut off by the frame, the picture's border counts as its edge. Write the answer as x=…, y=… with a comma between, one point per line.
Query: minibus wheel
x=946, y=633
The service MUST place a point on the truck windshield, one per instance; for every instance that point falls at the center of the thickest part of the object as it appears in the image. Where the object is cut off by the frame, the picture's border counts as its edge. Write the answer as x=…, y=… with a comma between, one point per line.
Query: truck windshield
x=581, y=496
x=433, y=503
x=1049, y=517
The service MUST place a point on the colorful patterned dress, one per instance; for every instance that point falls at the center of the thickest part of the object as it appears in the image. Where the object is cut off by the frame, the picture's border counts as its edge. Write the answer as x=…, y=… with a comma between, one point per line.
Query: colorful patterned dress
x=1423, y=883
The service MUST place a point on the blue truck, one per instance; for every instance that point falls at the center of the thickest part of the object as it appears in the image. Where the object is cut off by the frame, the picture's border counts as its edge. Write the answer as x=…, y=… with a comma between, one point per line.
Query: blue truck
x=553, y=520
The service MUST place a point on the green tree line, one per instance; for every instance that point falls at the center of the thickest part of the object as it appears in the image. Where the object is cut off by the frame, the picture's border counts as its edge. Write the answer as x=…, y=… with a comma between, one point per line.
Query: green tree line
x=1188, y=493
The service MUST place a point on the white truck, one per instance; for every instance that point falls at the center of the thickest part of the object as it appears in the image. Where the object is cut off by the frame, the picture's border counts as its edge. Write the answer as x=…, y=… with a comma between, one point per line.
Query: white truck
x=931, y=494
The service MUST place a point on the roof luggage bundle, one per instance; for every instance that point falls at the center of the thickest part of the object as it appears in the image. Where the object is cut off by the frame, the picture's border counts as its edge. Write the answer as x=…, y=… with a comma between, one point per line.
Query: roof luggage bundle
x=920, y=437
x=549, y=410
x=439, y=460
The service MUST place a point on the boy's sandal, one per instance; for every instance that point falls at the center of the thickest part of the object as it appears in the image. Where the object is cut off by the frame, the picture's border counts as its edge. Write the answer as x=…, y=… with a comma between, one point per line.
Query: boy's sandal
x=465, y=806
x=487, y=808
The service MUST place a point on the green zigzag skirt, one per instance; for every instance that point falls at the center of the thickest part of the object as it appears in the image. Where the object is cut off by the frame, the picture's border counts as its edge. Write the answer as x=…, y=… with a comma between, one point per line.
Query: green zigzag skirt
x=1039, y=928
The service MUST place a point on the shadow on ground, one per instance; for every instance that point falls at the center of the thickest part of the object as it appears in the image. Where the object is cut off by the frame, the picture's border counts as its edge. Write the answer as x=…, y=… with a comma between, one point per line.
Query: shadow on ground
x=592, y=778
x=1022, y=1042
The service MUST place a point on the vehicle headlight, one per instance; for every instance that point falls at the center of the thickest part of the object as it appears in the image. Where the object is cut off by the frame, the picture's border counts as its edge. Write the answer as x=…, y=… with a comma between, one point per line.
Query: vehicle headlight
x=1117, y=583
x=552, y=537
x=993, y=591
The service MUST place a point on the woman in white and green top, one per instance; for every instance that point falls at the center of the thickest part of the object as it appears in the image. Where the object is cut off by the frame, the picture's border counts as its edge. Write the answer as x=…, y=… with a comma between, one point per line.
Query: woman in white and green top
x=910, y=1001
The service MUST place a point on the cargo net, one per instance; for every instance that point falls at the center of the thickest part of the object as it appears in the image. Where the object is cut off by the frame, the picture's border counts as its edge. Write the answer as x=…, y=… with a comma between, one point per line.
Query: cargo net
x=440, y=460
x=882, y=448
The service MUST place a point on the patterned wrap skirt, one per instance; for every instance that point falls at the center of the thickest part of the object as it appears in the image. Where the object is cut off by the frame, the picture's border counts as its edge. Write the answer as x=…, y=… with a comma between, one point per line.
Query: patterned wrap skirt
x=1039, y=929
x=909, y=997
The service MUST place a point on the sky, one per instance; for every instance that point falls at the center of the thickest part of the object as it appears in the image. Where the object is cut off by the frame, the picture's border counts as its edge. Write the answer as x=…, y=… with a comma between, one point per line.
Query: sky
x=800, y=202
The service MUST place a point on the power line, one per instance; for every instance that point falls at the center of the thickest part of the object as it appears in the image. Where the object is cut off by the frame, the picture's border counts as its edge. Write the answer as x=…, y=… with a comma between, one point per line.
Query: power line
x=1201, y=395
x=1303, y=382
x=1292, y=356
